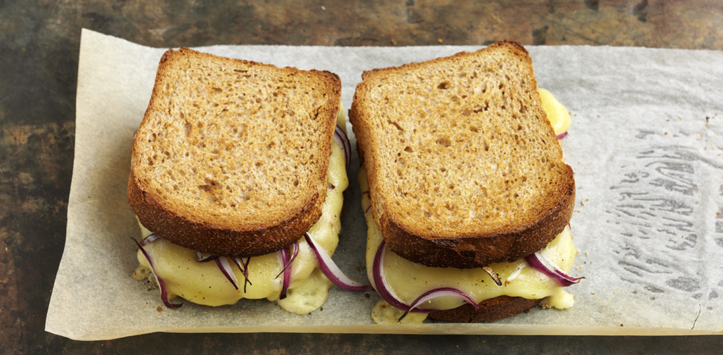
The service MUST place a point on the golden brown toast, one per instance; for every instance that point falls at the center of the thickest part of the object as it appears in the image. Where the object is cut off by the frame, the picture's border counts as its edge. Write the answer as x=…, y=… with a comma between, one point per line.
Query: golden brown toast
x=231, y=157
x=464, y=168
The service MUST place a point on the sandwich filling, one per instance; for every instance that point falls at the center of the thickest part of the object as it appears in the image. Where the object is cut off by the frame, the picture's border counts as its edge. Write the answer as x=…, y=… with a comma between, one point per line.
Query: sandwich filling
x=409, y=280
x=204, y=283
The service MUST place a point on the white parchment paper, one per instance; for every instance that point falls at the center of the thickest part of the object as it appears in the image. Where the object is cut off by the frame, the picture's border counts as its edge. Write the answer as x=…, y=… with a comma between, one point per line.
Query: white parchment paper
x=645, y=146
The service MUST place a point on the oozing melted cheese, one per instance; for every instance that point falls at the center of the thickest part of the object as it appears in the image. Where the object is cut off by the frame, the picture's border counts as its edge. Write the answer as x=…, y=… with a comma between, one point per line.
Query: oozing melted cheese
x=556, y=113
x=409, y=280
x=205, y=284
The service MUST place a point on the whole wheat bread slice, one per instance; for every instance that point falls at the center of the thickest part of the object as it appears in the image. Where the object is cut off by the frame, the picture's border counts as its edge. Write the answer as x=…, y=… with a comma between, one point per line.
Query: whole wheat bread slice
x=464, y=168
x=490, y=310
x=231, y=157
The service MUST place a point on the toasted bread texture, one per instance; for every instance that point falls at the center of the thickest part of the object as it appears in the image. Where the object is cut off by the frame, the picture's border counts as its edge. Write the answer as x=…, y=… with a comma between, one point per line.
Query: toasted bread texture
x=489, y=310
x=464, y=168
x=231, y=157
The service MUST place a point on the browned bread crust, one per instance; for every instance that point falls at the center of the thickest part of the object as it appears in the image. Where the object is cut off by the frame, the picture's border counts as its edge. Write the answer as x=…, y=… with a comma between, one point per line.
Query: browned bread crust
x=232, y=156
x=464, y=168
x=489, y=310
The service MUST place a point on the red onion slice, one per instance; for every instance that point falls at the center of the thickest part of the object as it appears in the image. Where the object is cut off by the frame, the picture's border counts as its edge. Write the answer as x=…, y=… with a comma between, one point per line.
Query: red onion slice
x=562, y=135
x=286, y=261
x=343, y=141
x=150, y=238
x=161, y=284
x=239, y=264
x=202, y=257
x=388, y=294
x=287, y=269
x=225, y=267
x=440, y=292
x=283, y=255
x=540, y=262
x=383, y=289
x=331, y=271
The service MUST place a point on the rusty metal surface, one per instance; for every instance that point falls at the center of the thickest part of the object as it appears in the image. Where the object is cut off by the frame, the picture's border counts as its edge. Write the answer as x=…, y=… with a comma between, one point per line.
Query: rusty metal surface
x=39, y=43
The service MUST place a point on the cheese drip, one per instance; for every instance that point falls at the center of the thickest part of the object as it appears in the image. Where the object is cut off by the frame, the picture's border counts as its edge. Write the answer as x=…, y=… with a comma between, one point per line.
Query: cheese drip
x=556, y=113
x=204, y=283
x=409, y=279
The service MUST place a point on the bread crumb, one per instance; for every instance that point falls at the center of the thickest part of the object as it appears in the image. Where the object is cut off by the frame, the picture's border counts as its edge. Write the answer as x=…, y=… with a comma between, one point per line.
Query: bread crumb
x=440, y=40
x=587, y=254
x=394, y=43
x=582, y=203
x=159, y=309
x=679, y=116
x=592, y=293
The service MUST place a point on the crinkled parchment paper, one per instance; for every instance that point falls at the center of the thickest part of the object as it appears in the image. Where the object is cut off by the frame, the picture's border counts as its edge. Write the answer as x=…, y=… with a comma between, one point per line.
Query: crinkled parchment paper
x=645, y=146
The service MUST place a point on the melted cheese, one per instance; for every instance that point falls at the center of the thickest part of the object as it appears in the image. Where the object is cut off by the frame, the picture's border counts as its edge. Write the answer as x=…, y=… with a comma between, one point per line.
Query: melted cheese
x=205, y=284
x=408, y=280
x=556, y=113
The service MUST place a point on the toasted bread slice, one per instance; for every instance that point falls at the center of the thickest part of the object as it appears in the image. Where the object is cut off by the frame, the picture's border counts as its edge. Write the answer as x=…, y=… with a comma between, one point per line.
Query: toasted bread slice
x=231, y=157
x=490, y=310
x=464, y=167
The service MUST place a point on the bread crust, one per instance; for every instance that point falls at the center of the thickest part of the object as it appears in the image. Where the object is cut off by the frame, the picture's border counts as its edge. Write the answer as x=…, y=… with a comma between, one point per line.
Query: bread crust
x=474, y=251
x=229, y=230
x=477, y=243
x=215, y=240
x=489, y=310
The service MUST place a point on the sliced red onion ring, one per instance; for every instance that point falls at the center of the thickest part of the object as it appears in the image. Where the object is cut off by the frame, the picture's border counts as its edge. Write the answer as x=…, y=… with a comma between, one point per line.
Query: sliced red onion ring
x=331, y=271
x=202, y=257
x=284, y=256
x=287, y=269
x=562, y=135
x=225, y=267
x=541, y=263
x=287, y=262
x=383, y=289
x=343, y=141
x=239, y=263
x=440, y=292
x=388, y=294
x=161, y=284
x=150, y=238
